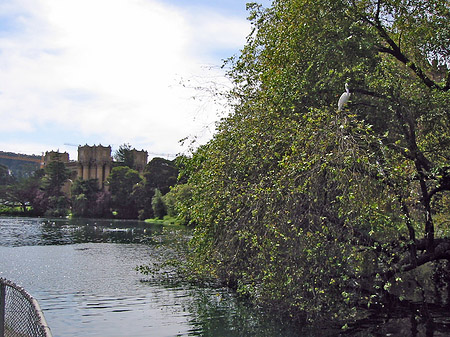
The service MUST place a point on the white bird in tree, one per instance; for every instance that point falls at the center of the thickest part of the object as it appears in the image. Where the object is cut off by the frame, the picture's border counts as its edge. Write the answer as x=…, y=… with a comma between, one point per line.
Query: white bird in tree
x=345, y=97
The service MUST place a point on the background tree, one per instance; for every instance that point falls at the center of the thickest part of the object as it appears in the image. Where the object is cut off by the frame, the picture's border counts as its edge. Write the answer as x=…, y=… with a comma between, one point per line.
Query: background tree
x=56, y=175
x=24, y=191
x=178, y=202
x=53, y=200
x=159, y=174
x=314, y=211
x=124, y=156
x=158, y=206
x=30, y=189
x=84, y=198
x=122, y=181
x=103, y=205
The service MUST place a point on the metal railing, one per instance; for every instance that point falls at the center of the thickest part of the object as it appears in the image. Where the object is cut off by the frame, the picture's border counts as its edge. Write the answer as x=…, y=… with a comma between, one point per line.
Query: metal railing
x=20, y=313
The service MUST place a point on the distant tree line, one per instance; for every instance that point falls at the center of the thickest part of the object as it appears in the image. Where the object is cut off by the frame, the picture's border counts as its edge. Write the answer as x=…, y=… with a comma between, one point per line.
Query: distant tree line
x=129, y=195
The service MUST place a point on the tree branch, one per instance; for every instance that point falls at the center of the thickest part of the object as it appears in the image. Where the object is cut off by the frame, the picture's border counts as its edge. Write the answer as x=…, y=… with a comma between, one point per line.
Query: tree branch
x=395, y=50
x=444, y=183
x=447, y=84
x=377, y=15
x=441, y=252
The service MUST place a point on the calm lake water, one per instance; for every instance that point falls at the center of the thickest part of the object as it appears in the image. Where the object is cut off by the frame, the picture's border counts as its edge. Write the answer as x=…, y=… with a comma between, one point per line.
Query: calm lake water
x=82, y=272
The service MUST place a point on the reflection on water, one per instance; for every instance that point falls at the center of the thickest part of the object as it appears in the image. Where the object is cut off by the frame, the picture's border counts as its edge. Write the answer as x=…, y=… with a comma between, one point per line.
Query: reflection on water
x=33, y=232
x=415, y=323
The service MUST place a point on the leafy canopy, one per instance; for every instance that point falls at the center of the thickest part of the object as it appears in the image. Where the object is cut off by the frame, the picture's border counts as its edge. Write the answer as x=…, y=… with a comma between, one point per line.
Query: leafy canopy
x=301, y=206
x=122, y=181
x=124, y=156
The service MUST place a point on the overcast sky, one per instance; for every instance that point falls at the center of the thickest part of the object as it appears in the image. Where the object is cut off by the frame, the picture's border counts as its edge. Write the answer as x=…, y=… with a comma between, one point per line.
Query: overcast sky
x=76, y=72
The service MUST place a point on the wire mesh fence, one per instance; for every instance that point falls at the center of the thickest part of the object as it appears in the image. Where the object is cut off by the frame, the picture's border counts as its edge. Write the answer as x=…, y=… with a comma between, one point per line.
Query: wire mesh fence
x=20, y=313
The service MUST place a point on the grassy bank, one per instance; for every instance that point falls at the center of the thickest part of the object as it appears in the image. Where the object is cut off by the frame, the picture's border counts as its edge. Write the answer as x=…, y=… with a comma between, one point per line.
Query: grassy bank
x=167, y=220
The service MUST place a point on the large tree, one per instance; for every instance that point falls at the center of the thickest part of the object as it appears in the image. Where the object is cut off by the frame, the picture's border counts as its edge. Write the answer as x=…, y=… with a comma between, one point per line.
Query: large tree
x=122, y=181
x=24, y=192
x=124, y=156
x=159, y=174
x=313, y=209
x=52, y=198
x=88, y=200
x=15, y=193
x=56, y=175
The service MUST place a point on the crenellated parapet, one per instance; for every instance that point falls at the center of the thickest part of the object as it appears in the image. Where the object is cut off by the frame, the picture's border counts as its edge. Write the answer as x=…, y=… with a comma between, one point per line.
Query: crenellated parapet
x=139, y=160
x=55, y=156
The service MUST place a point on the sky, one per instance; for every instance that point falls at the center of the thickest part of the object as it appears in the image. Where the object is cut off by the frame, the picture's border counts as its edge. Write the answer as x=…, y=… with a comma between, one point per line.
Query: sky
x=114, y=72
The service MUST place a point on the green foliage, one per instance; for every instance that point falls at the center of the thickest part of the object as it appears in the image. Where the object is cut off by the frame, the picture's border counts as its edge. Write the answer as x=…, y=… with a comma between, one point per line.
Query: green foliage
x=166, y=220
x=124, y=156
x=23, y=192
x=56, y=174
x=159, y=174
x=158, y=206
x=122, y=181
x=178, y=202
x=57, y=206
x=83, y=196
x=53, y=201
x=298, y=205
x=88, y=200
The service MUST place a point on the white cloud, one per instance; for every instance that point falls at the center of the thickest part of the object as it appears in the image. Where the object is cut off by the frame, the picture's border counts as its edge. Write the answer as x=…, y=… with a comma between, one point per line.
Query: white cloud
x=218, y=31
x=110, y=69
x=29, y=148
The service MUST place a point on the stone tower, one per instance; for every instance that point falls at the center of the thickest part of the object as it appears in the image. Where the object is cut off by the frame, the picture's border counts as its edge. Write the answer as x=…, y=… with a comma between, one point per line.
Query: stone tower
x=94, y=162
x=55, y=156
x=139, y=160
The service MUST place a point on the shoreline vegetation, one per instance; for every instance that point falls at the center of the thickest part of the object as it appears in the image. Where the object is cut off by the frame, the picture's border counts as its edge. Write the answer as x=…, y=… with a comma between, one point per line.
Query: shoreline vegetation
x=167, y=220
x=324, y=211
x=319, y=211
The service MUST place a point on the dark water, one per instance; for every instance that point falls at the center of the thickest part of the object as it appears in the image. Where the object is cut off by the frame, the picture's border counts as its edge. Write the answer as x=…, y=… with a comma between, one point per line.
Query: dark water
x=83, y=274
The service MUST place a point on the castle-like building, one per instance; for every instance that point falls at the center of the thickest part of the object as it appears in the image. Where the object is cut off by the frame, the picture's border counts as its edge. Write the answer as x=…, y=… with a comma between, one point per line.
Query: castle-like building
x=94, y=162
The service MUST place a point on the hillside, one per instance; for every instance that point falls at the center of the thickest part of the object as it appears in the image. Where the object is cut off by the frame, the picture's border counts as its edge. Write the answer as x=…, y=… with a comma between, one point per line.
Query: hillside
x=21, y=165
